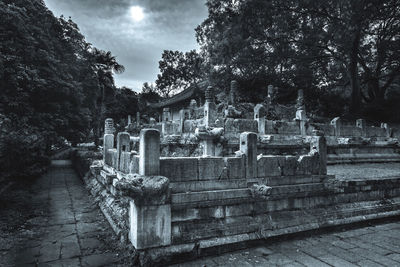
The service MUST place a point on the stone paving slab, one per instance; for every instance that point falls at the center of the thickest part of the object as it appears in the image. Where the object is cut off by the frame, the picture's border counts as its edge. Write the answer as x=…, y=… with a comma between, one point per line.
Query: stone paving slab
x=374, y=245
x=61, y=225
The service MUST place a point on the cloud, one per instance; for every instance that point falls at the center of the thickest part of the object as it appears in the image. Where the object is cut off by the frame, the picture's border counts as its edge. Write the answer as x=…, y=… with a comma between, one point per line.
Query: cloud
x=138, y=45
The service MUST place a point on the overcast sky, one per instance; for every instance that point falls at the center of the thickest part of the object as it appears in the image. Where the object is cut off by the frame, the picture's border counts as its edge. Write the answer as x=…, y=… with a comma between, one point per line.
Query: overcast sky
x=135, y=31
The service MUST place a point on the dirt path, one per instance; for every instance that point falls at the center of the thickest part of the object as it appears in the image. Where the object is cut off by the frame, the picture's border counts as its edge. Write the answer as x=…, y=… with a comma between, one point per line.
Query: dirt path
x=53, y=222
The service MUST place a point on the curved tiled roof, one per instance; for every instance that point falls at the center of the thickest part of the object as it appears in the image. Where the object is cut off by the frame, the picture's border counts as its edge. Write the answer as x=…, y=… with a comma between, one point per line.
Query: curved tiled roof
x=184, y=95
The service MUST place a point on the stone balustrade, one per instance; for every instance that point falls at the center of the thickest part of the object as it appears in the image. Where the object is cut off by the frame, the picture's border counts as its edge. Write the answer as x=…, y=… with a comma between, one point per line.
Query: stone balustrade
x=172, y=205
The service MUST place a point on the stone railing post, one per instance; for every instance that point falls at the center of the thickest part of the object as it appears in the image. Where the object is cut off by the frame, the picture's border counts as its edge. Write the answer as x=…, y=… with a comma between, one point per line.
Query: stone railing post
x=138, y=119
x=337, y=124
x=318, y=142
x=149, y=152
x=150, y=215
x=302, y=118
x=108, y=139
x=248, y=146
x=259, y=115
x=123, y=145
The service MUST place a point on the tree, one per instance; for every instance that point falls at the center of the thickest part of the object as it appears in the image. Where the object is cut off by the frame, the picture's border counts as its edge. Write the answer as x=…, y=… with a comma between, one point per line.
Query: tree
x=51, y=81
x=178, y=70
x=298, y=44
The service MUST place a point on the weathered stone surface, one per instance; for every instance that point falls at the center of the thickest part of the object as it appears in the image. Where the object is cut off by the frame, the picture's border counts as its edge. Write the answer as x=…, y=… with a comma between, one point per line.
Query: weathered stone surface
x=144, y=189
x=305, y=164
x=318, y=143
x=179, y=169
x=150, y=226
x=287, y=165
x=149, y=161
x=108, y=142
x=134, y=164
x=248, y=145
x=240, y=125
x=261, y=191
x=211, y=168
x=236, y=167
x=268, y=166
x=125, y=159
x=337, y=124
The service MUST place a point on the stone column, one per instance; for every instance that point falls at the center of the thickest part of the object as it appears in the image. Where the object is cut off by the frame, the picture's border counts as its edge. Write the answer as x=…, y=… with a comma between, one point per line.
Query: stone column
x=318, y=143
x=149, y=152
x=248, y=146
x=337, y=124
x=209, y=108
x=108, y=139
x=123, y=142
x=259, y=115
x=233, y=92
x=129, y=119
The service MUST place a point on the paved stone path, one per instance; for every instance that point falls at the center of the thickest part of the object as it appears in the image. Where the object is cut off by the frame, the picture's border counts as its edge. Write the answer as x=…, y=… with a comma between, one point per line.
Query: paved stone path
x=375, y=245
x=63, y=227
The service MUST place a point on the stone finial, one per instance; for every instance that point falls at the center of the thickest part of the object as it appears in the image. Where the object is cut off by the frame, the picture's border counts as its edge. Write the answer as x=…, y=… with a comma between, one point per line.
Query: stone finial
x=149, y=151
x=233, y=92
x=109, y=126
x=209, y=94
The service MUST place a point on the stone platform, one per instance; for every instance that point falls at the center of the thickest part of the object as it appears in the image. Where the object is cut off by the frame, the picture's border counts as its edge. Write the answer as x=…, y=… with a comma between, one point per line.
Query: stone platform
x=377, y=244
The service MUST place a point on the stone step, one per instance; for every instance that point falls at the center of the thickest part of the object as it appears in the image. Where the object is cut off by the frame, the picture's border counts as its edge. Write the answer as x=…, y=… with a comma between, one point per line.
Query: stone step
x=198, y=186
x=281, y=222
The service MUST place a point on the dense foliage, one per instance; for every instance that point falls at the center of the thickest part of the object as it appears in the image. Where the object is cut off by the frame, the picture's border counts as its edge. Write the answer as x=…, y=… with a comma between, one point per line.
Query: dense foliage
x=343, y=53
x=54, y=86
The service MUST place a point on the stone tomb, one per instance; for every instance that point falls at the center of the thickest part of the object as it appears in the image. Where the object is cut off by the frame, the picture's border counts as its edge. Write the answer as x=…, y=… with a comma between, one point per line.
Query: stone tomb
x=191, y=205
